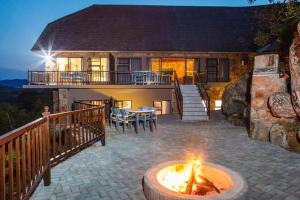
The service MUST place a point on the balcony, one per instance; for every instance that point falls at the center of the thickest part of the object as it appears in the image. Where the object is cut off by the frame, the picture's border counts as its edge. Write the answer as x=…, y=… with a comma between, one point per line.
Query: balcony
x=100, y=78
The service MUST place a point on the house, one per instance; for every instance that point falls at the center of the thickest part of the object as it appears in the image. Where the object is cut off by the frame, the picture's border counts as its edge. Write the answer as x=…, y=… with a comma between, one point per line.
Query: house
x=134, y=53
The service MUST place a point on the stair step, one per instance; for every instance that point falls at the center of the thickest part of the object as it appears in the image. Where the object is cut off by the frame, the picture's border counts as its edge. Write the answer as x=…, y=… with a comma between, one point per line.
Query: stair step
x=194, y=97
x=194, y=113
x=193, y=105
x=195, y=118
x=194, y=109
x=194, y=94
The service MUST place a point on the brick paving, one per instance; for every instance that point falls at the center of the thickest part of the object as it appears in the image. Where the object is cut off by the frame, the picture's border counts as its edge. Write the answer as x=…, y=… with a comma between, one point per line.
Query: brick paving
x=115, y=171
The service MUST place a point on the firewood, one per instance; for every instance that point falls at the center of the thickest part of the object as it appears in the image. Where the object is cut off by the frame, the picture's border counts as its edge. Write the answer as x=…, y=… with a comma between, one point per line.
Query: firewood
x=191, y=181
x=209, y=183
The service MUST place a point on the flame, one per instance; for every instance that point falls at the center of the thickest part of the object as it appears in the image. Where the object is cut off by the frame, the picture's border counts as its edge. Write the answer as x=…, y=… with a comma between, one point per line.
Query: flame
x=176, y=177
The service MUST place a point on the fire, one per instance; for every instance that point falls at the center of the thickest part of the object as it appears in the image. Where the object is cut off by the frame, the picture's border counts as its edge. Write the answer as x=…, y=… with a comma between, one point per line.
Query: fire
x=178, y=177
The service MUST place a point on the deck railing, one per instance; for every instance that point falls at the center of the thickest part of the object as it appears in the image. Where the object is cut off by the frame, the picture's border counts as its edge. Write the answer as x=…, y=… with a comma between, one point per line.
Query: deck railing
x=202, y=91
x=100, y=78
x=179, y=97
x=27, y=153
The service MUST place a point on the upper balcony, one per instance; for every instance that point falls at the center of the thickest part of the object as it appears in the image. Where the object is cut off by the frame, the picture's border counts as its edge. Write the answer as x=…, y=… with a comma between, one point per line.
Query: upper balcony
x=77, y=78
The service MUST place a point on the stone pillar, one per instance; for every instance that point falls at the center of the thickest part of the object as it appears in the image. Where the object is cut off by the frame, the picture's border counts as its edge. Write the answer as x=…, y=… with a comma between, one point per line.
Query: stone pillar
x=63, y=100
x=265, y=81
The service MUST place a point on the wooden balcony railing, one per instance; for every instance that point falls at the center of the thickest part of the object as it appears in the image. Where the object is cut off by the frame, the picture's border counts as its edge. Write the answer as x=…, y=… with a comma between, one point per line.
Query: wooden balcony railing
x=100, y=78
x=27, y=153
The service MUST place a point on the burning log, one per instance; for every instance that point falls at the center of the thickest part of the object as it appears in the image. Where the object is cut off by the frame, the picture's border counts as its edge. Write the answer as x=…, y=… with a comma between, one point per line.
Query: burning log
x=201, y=188
x=189, y=187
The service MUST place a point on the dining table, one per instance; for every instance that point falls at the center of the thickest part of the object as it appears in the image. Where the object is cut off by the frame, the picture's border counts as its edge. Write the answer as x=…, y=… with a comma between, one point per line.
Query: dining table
x=137, y=113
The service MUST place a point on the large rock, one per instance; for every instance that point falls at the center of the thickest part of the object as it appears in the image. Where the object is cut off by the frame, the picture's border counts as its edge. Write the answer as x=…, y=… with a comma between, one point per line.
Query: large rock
x=286, y=135
x=279, y=136
x=280, y=105
x=295, y=71
x=235, y=101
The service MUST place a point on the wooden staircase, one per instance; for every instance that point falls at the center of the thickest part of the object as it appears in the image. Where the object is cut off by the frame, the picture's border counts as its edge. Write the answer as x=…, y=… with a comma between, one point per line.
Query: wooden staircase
x=194, y=107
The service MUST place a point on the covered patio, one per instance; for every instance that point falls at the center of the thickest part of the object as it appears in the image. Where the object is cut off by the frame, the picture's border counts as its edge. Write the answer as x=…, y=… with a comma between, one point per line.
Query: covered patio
x=115, y=171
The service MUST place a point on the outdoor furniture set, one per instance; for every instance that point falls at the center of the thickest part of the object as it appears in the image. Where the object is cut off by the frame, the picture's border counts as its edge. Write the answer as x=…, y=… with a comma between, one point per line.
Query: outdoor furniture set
x=129, y=117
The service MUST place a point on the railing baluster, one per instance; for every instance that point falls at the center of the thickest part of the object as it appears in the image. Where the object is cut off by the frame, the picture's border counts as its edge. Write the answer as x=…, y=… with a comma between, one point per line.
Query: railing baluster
x=11, y=170
x=2, y=173
x=33, y=172
x=59, y=136
x=53, y=135
x=41, y=152
x=24, y=166
x=18, y=168
x=37, y=152
x=28, y=160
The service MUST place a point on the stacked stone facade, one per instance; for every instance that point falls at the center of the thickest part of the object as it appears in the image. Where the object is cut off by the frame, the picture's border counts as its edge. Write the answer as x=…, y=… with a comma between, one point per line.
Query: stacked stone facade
x=265, y=82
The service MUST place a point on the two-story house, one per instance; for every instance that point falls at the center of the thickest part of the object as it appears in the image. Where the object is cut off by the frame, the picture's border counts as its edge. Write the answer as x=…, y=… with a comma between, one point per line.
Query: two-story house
x=131, y=53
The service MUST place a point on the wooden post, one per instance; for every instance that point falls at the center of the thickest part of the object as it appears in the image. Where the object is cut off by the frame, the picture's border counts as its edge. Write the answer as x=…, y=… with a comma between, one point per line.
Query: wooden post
x=103, y=123
x=47, y=175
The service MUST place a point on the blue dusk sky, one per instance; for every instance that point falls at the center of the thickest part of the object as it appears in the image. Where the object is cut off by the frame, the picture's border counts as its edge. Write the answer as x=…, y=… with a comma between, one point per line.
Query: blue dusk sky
x=22, y=21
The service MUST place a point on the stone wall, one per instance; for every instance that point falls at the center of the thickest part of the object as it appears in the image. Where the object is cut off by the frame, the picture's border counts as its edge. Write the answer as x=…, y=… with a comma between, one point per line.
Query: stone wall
x=265, y=82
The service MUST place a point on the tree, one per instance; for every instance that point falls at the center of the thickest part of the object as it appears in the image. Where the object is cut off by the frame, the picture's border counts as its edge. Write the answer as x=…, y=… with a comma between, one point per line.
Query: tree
x=277, y=22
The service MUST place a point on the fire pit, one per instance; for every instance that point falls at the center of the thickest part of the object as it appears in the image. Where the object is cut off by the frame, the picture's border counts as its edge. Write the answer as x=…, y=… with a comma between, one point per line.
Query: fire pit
x=192, y=180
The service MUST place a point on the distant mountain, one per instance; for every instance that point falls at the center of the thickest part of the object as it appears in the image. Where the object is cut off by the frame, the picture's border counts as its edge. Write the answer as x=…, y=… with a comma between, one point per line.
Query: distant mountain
x=6, y=73
x=14, y=83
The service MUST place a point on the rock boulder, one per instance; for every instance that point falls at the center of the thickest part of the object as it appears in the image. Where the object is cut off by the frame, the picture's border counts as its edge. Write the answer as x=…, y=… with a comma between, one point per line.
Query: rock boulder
x=280, y=105
x=235, y=101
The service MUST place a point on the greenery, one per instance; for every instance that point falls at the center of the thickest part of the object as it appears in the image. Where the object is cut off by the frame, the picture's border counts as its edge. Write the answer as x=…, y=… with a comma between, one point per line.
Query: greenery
x=18, y=107
x=277, y=23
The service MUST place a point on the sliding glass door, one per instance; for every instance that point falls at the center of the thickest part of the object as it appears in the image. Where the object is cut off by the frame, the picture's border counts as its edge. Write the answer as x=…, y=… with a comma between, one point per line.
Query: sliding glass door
x=184, y=67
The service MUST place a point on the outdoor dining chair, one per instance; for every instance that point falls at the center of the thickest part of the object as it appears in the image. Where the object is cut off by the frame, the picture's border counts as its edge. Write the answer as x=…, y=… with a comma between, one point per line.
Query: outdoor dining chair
x=147, y=117
x=115, y=117
x=126, y=119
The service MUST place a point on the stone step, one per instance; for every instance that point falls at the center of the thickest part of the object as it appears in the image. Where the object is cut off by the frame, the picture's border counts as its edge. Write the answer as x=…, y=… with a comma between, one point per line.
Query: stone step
x=193, y=101
x=194, y=109
x=193, y=105
x=195, y=118
x=193, y=113
x=194, y=97
x=188, y=86
x=188, y=89
x=190, y=95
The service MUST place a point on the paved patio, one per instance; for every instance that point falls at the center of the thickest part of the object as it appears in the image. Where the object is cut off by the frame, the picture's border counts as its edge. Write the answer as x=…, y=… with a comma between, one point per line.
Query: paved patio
x=115, y=171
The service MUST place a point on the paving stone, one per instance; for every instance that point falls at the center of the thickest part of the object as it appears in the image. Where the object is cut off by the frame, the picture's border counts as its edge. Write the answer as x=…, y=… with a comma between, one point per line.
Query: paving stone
x=115, y=171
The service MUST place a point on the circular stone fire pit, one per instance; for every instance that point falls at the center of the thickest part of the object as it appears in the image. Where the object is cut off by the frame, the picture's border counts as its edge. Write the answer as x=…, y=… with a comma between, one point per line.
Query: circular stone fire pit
x=226, y=184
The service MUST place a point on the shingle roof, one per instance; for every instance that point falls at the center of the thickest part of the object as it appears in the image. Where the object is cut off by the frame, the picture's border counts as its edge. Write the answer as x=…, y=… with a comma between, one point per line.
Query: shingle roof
x=152, y=28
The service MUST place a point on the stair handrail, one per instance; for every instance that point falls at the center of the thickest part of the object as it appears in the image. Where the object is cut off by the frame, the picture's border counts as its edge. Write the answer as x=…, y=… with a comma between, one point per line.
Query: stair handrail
x=178, y=94
x=203, y=93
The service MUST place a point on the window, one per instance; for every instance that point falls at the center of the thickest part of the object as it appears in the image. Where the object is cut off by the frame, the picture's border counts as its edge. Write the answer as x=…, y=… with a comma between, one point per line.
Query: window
x=123, y=104
x=162, y=107
x=218, y=104
x=100, y=68
x=69, y=64
x=217, y=69
x=129, y=64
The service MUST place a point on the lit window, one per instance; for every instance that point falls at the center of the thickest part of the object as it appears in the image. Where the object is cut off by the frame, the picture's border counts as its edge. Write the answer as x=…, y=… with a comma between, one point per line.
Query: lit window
x=162, y=107
x=127, y=104
x=62, y=64
x=99, y=68
x=218, y=104
x=69, y=64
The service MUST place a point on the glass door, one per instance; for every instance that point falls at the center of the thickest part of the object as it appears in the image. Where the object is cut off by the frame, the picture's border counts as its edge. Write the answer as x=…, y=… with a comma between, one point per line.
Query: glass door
x=184, y=68
x=99, y=68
